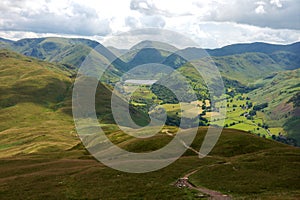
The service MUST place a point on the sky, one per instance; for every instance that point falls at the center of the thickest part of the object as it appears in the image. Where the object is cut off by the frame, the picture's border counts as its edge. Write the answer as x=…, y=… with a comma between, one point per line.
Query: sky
x=210, y=23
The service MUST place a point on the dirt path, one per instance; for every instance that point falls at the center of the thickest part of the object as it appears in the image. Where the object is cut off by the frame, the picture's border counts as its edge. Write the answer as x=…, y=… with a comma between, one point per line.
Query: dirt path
x=214, y=195
x=184, y=182
x=183, y=143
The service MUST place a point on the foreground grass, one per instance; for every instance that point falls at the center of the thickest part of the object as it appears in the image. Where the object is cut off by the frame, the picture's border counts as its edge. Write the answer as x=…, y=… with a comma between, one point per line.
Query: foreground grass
x=242, y=165
x=270, y=174
x=32, y=178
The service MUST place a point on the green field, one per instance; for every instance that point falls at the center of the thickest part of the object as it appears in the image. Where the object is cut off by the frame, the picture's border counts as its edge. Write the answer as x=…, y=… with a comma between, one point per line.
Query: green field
x=236, y=120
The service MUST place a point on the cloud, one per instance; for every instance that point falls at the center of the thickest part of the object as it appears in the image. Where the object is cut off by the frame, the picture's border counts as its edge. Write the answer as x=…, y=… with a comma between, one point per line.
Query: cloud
x=211, y=23
x=260, y=7
x=260, y=10
x=69, y=18
x=153, y=21
x=276, y=3
x=218, y=34
x=265, y=13
x=128, y=39
x=132, y=22
x=149, y=8
x=273, y=14
x=145, y=22
x=144, y=6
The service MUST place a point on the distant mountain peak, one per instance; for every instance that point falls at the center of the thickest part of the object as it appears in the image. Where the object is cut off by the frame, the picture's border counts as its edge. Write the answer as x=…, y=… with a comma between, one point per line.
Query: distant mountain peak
x=154, y=44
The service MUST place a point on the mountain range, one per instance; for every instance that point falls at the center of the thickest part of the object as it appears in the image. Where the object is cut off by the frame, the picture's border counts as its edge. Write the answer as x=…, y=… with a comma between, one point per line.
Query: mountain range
x=41, y=155
x=242, y=66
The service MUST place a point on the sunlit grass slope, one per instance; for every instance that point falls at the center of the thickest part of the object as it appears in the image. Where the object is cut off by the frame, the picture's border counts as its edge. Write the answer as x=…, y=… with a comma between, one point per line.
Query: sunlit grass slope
x=36, y=106
x=29, y=118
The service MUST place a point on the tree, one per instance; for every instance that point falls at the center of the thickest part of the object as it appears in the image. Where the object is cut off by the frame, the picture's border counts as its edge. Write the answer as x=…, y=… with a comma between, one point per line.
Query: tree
x=252, y=112
x=260, y=106
x=274, y=137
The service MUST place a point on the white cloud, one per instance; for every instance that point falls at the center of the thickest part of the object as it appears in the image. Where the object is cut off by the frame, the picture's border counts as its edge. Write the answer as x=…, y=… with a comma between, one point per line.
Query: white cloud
x=217, y=34
x=260, y=9
x=276, y=3
x=67, y=18
x=213, y=23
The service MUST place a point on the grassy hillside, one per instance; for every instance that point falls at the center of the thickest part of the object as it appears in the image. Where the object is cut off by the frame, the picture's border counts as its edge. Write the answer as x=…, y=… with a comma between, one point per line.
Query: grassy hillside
x=29, y=119
x=238, y=71
x=68, y=51
x=4, y=43
x=281, y=91
x=241, y=165
x=51, y=49
x=285, y=55
x=35, y=106
x=259, y=47
x=287, y=59
x=244, y=68
x=117, y=52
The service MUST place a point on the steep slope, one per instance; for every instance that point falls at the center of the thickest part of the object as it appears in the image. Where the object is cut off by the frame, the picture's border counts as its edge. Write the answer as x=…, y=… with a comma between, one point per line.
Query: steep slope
x=288, y=60
x=35, y=106
x=254, y=47
x=6, y=40
x=245, y=63
x=4, y=43
x=146, y=56
x=68, y=51
x=136, y=54
x=244, y=68
x=50, y=49
x=25, y=79
x=29, y=119
x=193, y=53
x=285, y=55
x=281, y=92
x=153, y=45
x=117, y=52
